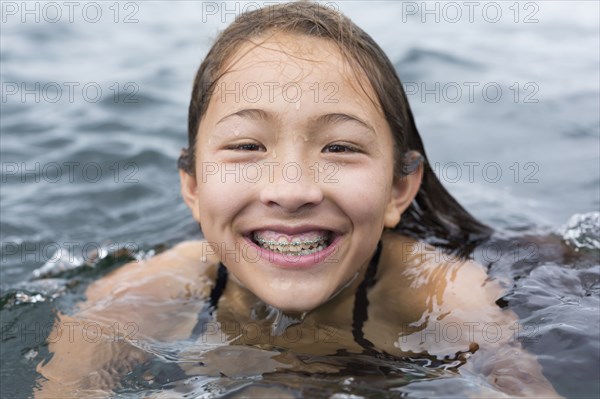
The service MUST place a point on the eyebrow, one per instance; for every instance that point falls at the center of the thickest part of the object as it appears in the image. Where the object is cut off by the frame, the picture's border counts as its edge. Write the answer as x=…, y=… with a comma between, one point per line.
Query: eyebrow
x=249, y=113
x=326, y=119
x=339, y=117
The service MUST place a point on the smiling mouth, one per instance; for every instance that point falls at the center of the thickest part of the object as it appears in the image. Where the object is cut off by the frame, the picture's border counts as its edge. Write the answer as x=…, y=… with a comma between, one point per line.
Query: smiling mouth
x=298, y=245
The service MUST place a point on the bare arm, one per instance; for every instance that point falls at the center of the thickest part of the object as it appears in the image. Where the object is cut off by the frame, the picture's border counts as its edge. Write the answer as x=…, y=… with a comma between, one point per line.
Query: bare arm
x=100, y=343
x=448, y=309
x=501, y=359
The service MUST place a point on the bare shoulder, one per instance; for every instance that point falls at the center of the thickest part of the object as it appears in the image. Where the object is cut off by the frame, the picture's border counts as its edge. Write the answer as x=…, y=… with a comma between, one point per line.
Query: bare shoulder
x=186, y=266
x=418, y=273
x=469, y=285
x=175, y=282
x=452, y=304
x=458, y=276
x=128, y=304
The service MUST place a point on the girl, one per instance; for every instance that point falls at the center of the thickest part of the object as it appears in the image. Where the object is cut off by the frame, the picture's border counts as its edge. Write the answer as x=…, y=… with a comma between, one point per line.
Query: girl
x=311, y=185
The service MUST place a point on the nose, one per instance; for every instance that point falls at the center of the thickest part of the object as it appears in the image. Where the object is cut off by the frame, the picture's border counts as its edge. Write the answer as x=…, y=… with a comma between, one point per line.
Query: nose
x=292, y=188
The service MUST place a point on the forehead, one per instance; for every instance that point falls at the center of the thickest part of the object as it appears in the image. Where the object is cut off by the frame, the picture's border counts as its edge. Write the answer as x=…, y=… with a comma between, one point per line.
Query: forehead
x=288, y=48
x=288, y=61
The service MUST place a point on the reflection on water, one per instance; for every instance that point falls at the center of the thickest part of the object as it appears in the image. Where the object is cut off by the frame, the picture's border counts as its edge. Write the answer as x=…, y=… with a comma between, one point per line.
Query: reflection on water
x=88, y=185
x=554, y=289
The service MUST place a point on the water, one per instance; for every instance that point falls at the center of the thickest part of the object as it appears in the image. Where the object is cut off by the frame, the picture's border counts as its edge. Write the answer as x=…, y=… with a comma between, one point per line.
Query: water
x=103, y=186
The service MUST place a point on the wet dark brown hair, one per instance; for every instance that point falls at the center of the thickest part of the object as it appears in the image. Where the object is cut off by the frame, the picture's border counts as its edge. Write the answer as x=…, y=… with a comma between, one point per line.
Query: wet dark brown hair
x=434, y=215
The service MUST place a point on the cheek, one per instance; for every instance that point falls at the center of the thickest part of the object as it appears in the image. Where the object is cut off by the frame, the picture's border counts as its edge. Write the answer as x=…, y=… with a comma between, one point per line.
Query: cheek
x=363, y=192
x=219, y=198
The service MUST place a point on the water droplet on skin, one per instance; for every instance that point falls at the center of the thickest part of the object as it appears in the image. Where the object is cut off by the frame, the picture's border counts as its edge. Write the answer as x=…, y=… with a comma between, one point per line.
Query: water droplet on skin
x=274, y=154
x=297, y=105
x=236, y=132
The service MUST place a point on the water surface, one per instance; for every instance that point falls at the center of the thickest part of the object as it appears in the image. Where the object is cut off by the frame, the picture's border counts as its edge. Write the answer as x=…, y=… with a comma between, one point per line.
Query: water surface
x=542, y=135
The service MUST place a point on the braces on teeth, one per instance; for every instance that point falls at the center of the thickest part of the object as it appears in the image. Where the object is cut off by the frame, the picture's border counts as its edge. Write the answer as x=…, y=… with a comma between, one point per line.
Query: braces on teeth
x=294, y=243
x=297, y=248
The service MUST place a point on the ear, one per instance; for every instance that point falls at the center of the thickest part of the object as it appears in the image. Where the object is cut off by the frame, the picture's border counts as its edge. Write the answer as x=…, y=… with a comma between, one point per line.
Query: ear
x=404, y=191
x=189, y=192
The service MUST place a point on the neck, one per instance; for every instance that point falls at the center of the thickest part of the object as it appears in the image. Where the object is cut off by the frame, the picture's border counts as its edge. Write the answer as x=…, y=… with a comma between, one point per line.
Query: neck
x=339, y=305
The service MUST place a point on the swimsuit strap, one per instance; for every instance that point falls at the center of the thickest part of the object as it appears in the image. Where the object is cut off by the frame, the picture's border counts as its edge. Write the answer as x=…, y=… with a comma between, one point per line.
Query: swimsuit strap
x=219, y=287
x=205, y=314
x=361, y=302
x=171, y=372
x=359, y=316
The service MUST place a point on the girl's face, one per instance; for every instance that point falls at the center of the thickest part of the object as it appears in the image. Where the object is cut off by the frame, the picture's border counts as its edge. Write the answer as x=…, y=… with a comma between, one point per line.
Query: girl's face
x=293, y=157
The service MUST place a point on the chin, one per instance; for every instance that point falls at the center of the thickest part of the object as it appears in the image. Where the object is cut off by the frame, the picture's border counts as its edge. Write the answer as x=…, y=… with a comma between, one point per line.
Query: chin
x=294, y=303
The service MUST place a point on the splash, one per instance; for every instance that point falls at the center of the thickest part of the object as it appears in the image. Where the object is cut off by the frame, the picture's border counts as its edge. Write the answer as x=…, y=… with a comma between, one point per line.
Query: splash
x=582, y=231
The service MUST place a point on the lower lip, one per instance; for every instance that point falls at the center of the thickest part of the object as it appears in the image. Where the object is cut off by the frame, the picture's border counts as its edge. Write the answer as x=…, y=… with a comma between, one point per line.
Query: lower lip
x=296, y=261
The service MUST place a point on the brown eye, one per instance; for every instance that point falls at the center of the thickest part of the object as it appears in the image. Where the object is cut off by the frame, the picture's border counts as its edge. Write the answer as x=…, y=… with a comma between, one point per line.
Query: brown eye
x=246, y=147
x=339, y=148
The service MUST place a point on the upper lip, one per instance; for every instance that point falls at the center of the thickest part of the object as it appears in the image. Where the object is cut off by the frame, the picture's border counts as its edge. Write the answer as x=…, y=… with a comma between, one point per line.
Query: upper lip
x=291, y=230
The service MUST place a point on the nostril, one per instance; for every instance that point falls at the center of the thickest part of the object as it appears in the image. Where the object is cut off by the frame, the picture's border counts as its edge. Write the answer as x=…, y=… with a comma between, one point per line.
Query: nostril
x=291, y=197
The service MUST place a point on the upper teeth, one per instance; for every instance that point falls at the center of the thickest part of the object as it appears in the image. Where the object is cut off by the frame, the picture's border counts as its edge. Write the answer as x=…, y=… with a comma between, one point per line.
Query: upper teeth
x=285, y=242
x=294, y=247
